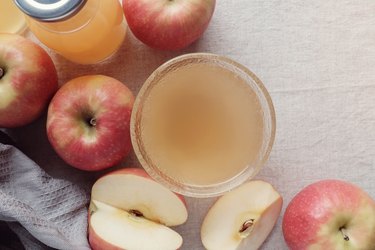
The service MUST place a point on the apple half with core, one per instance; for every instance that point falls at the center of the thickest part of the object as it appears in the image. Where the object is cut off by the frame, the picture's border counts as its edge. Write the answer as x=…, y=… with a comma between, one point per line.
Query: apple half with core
x=129, y=210
x=330, y=214
x=28, y=80
x=168, y=24
x=88, y=122
x=242, y=217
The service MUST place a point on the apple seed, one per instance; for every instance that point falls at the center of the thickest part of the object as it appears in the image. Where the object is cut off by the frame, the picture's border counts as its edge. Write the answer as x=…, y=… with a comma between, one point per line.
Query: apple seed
x=135, y=213
x=247, y=228
x=1, y=72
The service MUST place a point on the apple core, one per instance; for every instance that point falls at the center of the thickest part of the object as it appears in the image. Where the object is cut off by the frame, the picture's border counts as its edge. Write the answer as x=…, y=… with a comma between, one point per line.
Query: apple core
x=247, y=228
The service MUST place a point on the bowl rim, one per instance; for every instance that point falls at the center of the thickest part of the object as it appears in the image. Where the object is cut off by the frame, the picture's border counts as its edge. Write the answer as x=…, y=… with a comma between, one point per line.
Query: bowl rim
x=214, y=189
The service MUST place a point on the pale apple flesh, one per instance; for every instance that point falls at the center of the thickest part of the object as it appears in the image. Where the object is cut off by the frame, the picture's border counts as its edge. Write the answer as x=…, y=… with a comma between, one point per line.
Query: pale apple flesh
x=28, y=80
x=168, y=24
x=131, y=211
x=128, y=230
x=262, y=226
x=244, y=216
x=88, y=122
x=330, y=214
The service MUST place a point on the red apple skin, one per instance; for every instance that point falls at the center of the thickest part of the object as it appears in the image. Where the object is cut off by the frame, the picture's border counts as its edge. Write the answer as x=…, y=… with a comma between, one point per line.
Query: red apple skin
x=96, y=243
x=88, y=147
x=142, y=173
x=168, y=24
x=29, y=82
x=320, y=204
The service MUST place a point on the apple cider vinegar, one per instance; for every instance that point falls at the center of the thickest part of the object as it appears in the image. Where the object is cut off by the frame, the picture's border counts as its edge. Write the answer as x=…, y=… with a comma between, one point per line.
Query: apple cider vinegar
x=83, y=31
x=12, y=19
x=202, y=125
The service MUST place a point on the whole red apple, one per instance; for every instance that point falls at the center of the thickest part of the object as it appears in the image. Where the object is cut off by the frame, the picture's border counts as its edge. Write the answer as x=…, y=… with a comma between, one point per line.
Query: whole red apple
x=330, y=214
x=88, y=122
x=28, y=80
x=168, y=24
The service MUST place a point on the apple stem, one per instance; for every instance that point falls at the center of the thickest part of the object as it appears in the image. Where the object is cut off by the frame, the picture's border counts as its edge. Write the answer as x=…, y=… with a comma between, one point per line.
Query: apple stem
x=1, y=72
x=93, y=122
x=247, y=228
x=343, y=232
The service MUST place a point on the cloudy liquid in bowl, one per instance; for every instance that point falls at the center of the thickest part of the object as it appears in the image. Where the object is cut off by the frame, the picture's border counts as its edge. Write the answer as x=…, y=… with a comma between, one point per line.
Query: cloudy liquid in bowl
x=201, y=124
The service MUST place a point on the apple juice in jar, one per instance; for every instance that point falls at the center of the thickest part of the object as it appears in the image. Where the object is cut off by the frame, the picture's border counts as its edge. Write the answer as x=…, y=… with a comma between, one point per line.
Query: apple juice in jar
x=12, y=19
x=197, y=123
x=83, y=31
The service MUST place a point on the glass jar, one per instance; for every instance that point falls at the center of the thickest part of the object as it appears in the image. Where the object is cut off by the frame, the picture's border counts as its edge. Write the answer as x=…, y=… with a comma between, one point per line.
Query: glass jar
x=12, y=19
x=83, y=31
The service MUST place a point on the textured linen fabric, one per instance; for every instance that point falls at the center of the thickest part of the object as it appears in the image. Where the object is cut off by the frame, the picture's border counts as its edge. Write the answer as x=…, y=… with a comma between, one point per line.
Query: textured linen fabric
x=39, y=209
x=316, y=58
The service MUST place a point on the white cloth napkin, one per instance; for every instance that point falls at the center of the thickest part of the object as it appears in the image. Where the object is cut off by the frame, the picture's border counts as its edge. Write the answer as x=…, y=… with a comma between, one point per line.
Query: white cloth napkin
x=44, y=212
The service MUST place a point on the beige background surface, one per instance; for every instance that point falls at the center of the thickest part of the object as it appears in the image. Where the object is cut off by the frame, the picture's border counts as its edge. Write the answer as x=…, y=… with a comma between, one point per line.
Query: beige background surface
x=317, y=58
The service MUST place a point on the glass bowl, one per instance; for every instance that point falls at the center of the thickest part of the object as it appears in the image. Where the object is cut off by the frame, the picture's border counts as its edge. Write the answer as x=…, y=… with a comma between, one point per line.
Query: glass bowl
x=250, y=170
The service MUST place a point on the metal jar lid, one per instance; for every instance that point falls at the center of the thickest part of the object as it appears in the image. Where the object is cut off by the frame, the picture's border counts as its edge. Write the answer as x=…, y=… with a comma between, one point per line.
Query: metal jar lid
x=50, y=10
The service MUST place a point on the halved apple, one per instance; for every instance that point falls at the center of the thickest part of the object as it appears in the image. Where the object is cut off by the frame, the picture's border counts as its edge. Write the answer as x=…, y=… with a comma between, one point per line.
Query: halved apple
x=129, y=210
x=244, y=216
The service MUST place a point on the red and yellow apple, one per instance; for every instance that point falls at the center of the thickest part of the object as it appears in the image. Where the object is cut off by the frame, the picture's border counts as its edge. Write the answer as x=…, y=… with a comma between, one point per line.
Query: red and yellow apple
x=88, y=122
x=330, y=214
x=168, y=24
x=129, y=210
x=28, y=80
x=242, y=217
